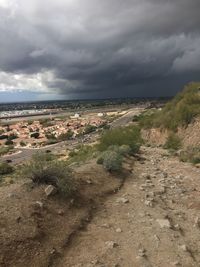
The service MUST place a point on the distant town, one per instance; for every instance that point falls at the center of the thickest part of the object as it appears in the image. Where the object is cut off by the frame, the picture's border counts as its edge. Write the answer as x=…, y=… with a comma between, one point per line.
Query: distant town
x=44, y=123
x=37, y=133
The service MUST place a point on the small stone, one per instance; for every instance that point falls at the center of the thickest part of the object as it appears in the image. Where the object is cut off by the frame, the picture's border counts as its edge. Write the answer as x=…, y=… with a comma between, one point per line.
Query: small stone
x=160, y=191
x=95, y=262
x=106, y=225
x=177, y=227
x=111, y=244
x=149, y=203
x=50, y=190
x=197, y=222
x=118, y=230
x=122, y=200
x=88, y=181
x=156, y=238
x=39, y=204
x=141, y=252
x=11, y=195
x=53, y=251
x=18, y=219
x=176, y=263
x=184, y=248
x=164, y=223
x=165, y=175
x=72, y=201
x=61, y=212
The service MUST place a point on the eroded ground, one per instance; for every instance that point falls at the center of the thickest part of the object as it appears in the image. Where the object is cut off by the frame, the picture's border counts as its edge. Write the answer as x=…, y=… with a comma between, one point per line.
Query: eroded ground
x=151, y=221
x=158, y=225
x=34, y=229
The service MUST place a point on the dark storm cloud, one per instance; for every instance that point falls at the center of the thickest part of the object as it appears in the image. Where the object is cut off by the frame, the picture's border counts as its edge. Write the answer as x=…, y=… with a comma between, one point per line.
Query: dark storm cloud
x=101, y=48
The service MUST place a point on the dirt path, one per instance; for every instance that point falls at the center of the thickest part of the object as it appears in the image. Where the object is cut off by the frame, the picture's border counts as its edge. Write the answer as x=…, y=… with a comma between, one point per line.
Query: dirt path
x=152, y=222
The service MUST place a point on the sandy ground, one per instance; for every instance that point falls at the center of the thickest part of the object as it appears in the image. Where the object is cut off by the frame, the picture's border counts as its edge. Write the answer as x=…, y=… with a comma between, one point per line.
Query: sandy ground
x=35, y=229
x=158, y=226
x=153, y=220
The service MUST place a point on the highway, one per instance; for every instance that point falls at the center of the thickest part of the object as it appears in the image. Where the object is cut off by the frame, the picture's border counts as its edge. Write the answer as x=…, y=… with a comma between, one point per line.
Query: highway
x=21, y=155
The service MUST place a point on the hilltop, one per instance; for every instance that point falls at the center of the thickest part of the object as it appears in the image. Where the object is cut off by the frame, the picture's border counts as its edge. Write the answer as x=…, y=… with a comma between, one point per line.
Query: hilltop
x=180, y=111
x=115, y=200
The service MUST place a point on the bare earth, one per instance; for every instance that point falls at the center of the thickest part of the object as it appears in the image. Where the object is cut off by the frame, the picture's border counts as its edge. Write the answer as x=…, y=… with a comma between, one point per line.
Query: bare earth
x=158, y=227
x=152, y=221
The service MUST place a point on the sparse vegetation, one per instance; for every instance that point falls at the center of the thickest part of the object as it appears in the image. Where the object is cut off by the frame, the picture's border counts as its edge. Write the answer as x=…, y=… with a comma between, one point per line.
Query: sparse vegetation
x=22, y=143
x=129, y=136
x=9, y=142
x=192, y=154
x=44, y=169
x=89, y=129
x=5, y=149
x=35, y=135
x=5, y=168
x=173, y=142
x=180, y=111
x=82, y=153
x=47, y=122
x=66, y=136
x=111, y=160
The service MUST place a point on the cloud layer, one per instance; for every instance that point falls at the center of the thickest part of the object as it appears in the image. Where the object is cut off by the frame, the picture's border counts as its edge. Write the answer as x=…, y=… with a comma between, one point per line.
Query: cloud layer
x=91, y=48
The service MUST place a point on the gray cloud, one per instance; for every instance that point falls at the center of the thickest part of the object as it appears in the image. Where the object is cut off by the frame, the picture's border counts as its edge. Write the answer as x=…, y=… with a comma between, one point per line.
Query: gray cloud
x=99, y=48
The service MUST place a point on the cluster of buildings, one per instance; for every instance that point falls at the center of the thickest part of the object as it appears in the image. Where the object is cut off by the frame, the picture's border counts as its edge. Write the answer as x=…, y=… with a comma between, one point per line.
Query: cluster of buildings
x=20, y=113
x=36, y=133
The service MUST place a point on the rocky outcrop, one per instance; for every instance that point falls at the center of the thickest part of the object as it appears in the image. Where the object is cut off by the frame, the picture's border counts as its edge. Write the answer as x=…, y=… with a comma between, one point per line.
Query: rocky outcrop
x=189, y=135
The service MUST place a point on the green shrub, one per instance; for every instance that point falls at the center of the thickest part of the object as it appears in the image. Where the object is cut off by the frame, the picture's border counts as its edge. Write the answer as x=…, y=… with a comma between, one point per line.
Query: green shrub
x=89, y=129
x=46, y=122
x=3, y=136
x=173, y=142
x=129, y=136
x=180, y=111
x=124, y=150
x=112, y=161
x=66, y=136
x=22, y=143
x=42, y=169
x=192, y=154
x=9, y=142
x=5, y=168
x=51, y=141
x=35, y=135
x=100, y=160
x=82, y=153
x=50, y=136
x=5, y=149
x=12, y=136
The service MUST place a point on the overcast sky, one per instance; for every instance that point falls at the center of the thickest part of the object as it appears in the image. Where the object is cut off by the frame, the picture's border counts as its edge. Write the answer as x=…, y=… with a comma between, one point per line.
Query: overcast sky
x=97, y=48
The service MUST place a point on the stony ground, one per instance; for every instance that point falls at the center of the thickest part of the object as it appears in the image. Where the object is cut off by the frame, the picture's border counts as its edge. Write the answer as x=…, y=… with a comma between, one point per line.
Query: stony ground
x=153, y=221
x=34, y=227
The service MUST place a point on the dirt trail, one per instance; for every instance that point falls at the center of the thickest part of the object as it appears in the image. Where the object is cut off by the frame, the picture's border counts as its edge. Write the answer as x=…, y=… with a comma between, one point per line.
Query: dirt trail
x=152, y=222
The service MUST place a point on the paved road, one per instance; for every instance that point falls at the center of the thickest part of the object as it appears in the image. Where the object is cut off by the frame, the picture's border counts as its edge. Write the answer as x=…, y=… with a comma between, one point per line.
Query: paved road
x=126, y=118
x=23, y=154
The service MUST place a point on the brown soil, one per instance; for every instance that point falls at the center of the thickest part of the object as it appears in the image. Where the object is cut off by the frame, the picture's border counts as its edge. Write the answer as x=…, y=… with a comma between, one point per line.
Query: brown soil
x=35, y=229
x=128, y=234
x=190, y=135
x=108, y=230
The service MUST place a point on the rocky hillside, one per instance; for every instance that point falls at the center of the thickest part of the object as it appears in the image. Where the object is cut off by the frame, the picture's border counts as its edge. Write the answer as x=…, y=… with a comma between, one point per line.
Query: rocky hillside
x=189, y=135
x=180, y=116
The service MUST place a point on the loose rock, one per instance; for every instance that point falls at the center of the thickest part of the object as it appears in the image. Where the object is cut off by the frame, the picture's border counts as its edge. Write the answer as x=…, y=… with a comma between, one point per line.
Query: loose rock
x=164, y=223
x=50, y=190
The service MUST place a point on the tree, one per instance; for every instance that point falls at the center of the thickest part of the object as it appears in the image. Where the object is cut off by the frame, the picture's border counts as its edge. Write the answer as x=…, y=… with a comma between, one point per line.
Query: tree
x=35, y=135
x=89, y=129
x=66, y=136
